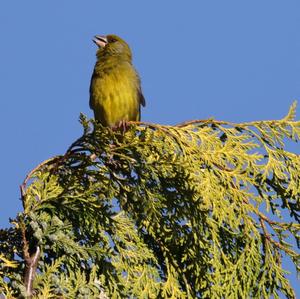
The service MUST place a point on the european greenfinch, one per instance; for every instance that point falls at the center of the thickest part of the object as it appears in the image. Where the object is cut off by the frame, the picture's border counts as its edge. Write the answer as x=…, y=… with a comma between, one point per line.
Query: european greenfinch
x=115, y=91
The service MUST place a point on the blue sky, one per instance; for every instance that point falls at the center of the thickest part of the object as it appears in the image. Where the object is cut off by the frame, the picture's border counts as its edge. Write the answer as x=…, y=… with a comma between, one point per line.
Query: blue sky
x=232, y=60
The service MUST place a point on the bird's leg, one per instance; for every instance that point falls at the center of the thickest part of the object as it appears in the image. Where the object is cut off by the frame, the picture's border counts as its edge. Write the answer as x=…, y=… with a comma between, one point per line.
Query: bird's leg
x=122, y=125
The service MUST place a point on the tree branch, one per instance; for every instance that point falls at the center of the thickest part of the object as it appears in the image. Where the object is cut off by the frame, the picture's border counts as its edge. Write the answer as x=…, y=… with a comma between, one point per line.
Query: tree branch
x=31, y=262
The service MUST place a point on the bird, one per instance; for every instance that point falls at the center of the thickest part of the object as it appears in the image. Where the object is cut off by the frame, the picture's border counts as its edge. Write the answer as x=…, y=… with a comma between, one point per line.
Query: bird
x=115, y=89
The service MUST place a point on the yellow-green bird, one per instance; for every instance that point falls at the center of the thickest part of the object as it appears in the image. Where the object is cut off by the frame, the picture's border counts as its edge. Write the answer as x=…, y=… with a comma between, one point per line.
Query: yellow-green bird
x=115, y=90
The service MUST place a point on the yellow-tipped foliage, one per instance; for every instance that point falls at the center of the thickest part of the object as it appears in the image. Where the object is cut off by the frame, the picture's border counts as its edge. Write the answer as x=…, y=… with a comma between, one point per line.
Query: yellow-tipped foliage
x=205, y=209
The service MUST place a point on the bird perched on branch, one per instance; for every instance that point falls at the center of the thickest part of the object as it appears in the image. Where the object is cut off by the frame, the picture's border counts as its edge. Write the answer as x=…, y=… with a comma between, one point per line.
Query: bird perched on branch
x=115, y=91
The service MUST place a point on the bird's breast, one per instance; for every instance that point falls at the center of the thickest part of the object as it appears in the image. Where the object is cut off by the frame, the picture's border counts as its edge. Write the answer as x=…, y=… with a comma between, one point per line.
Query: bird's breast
x=114, y=94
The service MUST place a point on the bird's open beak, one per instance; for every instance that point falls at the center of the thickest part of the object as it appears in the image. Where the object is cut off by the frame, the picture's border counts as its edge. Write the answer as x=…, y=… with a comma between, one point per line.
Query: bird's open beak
x=100, y=40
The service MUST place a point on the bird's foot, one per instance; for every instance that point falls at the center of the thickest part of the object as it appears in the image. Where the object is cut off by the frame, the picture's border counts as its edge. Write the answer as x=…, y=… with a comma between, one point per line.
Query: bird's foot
x=122, y=126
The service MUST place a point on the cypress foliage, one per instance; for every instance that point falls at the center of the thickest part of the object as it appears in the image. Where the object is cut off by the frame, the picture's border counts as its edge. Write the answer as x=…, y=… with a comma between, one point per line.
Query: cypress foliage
x=205, y=209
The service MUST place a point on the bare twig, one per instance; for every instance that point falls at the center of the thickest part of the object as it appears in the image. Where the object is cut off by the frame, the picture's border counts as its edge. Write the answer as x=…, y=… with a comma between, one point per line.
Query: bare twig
x=31, y=262
x=30, y=271
x=268, y=236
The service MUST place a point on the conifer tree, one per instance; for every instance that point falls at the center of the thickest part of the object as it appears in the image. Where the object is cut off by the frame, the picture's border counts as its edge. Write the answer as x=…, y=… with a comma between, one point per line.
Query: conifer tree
x=204, y=209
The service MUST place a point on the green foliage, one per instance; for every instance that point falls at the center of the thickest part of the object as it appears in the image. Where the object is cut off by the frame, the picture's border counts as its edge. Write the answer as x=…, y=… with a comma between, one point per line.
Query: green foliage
x=205, y=209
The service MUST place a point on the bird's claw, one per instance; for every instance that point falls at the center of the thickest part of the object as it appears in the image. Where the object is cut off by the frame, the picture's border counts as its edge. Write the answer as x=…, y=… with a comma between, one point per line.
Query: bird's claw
x=122, y=125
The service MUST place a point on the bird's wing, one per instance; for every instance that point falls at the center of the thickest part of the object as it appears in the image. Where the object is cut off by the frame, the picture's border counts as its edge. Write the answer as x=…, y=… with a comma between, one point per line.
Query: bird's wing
x=91, y=85
x=141, y=98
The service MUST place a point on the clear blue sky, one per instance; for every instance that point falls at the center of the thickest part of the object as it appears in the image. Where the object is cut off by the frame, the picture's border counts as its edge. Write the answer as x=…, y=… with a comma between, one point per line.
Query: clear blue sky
x=232, y=60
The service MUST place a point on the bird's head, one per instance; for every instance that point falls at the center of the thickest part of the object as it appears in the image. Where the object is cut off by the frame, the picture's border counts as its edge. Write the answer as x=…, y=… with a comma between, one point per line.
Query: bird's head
x=112, y=45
